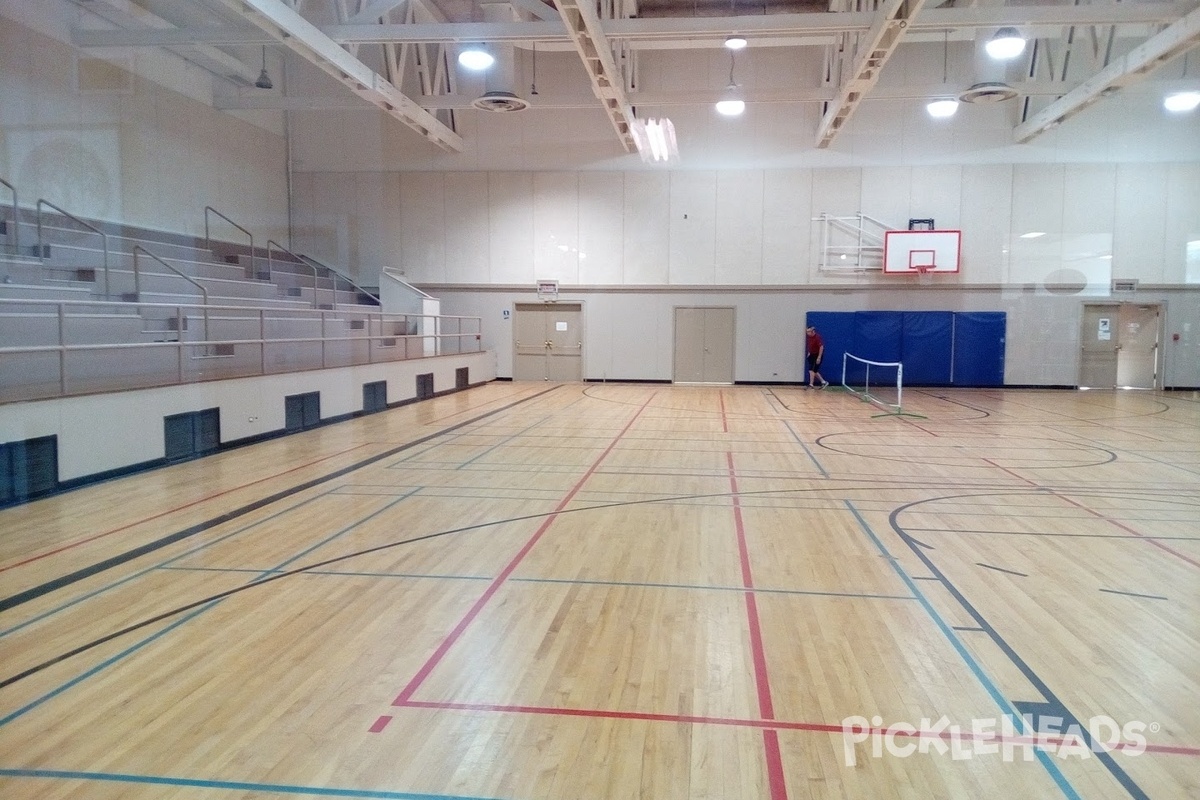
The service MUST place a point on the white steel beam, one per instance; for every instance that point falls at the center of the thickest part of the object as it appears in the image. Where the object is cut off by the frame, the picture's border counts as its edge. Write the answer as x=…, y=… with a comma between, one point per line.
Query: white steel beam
x=706, y=31
x=608, y=82
x=872, y=51
x=373, y=10
x=307, y=41
x=1130, y=68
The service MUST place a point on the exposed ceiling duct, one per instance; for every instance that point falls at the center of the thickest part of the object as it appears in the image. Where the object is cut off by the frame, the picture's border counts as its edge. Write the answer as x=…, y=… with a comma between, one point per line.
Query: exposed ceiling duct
x=499, y=81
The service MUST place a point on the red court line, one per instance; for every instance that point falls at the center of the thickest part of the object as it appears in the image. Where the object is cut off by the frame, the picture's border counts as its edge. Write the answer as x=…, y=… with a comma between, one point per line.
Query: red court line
x=761, y=678
x=1125, y=527
x=1010, y=472
x=168, y=512
x=724, y=419
x=499, y=580
x=772, y=725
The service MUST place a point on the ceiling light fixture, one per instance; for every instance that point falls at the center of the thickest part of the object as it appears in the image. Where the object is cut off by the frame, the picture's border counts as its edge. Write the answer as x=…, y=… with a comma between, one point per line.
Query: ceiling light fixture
x=940, y=109
x=732, y=104
x=655, y=140
x=946, y=106
x=264, y=80
x=736, y=42
x=1005, y=44
x=1182, y=102
x=476, y=57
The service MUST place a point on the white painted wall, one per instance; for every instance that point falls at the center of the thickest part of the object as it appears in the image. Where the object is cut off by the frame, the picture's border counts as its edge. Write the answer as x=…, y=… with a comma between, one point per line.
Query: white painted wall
x=99, y=433
x=751, y=227
x=630, y=334
x=150, y=156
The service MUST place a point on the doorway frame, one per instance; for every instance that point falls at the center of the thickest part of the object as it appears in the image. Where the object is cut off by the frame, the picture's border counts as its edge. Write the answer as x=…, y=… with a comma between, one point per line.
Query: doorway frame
x=732, y=351
x=512, y=340
x=1160, y=366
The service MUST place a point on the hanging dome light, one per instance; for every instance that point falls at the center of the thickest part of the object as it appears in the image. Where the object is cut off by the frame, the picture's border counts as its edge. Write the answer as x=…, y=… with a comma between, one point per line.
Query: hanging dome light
x=940, y=109
x=476, y=57
x=731, y=107
x=1005, y=44
x=736, y=42
x=1181, y=102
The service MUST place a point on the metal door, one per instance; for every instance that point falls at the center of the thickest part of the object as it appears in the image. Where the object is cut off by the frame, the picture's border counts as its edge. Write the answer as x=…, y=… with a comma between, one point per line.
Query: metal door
x=1099, y=340
x=1137, y=342
x=548, y=342
x=704, y=345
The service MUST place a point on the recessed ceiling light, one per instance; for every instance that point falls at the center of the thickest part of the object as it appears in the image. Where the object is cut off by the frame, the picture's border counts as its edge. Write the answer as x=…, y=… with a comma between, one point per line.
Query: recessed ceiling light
x=1033, y=234
x=736, y=42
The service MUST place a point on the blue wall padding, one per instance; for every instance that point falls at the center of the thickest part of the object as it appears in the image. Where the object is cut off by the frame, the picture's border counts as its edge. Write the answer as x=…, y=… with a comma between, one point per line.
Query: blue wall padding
x=937, y=348
x=927, y=347
x=978, y=348
x=837, y=329
x=878, y=335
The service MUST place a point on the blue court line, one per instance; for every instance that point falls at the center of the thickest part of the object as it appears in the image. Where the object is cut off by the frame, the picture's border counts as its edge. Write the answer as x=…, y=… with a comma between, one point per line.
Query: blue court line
x=134, y=576
x=988, y=685
x=1102, y=755
x=103, y=665
x=239, y=786
x=800, y=442
x=569, y=582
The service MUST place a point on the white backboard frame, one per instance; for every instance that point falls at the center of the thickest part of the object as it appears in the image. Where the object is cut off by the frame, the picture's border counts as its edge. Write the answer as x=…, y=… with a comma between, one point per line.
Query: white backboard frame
x=914, y=252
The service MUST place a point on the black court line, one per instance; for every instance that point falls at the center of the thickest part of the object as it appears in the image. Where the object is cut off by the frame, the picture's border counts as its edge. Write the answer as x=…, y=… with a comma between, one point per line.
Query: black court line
x=967, y=628
x=1000, y=569
x=926, y=546
x=924, y=577
x=272, y=577
x=20, y=598
x=1135, y=594
x=1034, y=679
x=1067, y=535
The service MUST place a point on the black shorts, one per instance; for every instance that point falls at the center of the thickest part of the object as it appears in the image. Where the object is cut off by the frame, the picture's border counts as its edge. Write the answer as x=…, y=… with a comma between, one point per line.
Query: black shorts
x=814, y=363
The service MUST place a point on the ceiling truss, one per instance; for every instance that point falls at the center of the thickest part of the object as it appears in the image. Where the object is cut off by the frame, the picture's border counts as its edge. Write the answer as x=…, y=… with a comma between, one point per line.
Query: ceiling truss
x=1070, y=65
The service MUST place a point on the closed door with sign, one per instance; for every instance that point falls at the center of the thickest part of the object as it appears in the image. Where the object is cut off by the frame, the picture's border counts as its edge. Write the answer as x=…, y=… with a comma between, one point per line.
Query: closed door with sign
x=704, y=339
x=548, y=342
x=1120, y=346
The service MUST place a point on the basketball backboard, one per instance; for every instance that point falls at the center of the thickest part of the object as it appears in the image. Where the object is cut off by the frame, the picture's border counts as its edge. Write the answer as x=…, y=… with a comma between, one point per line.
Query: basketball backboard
x=916, y=252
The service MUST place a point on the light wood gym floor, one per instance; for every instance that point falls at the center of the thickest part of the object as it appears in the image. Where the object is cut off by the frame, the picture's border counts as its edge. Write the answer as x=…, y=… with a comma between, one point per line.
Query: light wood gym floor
x=625, y=591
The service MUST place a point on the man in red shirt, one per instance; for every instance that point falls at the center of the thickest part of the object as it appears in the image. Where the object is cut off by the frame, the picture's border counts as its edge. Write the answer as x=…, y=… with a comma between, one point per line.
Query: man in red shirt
x=815, y=351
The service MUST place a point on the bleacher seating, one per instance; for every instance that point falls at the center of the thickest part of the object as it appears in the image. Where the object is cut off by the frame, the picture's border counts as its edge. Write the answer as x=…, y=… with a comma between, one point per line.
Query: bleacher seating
x=81, y=312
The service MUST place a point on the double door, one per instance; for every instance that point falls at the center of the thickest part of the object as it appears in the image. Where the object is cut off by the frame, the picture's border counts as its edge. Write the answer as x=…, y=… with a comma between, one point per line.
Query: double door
x=704, y=345
x=548, y=342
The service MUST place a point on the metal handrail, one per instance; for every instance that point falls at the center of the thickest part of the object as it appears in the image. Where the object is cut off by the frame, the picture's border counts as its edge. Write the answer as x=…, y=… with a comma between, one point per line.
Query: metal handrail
x=208, y=239
x=16, y=242
x=316, y=277
x=324, y=266
x=137, y=248
x=103, y=236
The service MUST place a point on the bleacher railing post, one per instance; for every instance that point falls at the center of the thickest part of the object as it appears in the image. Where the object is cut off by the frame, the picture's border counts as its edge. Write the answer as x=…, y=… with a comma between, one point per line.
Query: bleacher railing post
x=62, y=349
